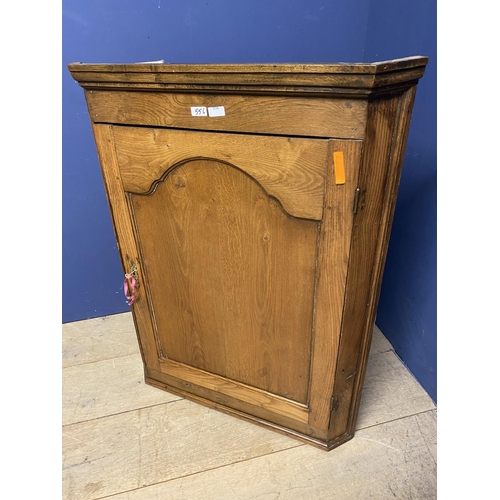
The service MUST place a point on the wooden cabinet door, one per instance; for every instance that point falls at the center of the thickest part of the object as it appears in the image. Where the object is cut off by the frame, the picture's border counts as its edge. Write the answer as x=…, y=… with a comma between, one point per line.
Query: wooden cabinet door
x=241, y=244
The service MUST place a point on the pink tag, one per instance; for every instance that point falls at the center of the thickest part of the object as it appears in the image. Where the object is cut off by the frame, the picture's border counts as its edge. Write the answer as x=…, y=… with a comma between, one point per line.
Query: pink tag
x=129, y=288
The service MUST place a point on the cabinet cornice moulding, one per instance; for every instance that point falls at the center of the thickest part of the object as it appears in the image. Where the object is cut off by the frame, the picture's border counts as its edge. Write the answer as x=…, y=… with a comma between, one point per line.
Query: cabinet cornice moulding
x=338, y=79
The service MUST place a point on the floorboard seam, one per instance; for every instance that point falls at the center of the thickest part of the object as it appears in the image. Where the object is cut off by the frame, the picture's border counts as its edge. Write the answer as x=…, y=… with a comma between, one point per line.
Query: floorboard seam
x=201, y=472
x=99, y=360
x=395, y=419
x=123, y=412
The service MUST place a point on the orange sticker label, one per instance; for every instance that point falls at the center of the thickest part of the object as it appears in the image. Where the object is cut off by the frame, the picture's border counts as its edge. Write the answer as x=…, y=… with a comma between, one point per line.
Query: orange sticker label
x=338, y=166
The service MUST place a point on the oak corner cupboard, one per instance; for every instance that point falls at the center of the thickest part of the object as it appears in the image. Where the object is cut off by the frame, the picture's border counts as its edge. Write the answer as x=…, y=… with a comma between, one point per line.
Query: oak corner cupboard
x=252, y=205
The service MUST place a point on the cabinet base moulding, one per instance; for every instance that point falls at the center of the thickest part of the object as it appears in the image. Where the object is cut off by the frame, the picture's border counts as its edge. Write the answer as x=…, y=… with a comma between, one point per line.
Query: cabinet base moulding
x=210, y=400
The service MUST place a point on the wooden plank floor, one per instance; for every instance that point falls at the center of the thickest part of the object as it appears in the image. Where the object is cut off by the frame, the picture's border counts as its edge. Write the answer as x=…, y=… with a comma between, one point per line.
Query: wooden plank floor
x=125, y=440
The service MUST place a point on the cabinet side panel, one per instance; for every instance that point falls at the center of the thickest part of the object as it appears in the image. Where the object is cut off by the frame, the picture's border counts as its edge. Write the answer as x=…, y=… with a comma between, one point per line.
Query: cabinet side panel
x=231, y=277
x=387, y=130
x=124, y=232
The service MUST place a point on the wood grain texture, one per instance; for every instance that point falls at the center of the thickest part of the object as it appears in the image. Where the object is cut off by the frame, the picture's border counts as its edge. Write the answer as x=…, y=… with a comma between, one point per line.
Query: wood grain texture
x=221, y=385
x=124, y=231
x=333, y=259
x=231, y=277
x=291, y=170
x=254, y=270
x=336, y=79
x=312, y=117
x=257, y=414
x=394, y=460
x=379, y=179
x=143, y=447
x=107, y=387
x=390, y=392
x=106, y=373
x=394, y=168
x=258, y=69
x=365, y=235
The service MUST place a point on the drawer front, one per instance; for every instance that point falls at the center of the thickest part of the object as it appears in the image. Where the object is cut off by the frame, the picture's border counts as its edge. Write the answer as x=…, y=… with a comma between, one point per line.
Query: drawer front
x=297, y=116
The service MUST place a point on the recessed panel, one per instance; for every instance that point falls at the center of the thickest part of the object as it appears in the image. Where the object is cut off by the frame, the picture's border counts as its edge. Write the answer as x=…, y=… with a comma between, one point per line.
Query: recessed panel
x=231, y=277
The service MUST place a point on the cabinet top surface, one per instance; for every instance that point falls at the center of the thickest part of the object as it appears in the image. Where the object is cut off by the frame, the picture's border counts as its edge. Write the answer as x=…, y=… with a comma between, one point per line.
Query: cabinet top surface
x=313, y=68
x=157, y=75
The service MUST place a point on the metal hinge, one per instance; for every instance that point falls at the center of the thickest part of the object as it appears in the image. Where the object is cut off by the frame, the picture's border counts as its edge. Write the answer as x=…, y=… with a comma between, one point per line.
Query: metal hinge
x=133, y=271
x=356, y=201
x=334, y=404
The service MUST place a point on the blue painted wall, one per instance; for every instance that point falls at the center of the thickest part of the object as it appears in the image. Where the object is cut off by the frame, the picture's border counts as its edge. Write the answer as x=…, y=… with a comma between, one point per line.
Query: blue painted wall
x=176, y=31
x=243, y=32
x=407, y=307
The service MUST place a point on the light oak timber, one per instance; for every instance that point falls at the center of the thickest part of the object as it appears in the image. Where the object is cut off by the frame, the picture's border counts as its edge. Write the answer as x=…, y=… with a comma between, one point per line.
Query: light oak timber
x=390, y=392
x=289, y=169
x=243, y=113
x=257, y=414
x=333, y=259
x=242, y=392
x=126, y=239
x=341, y=79
x=233, y=70
x=379, y=179
x=394, y=169
x=109, y=337
x=211, y=239
x=259, y=271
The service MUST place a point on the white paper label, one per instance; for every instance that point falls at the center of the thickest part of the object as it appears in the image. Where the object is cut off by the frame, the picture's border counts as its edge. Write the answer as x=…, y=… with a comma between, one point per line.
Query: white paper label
x=198, y=111
x=216, y=111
